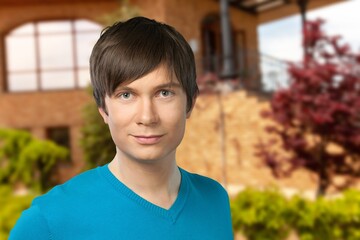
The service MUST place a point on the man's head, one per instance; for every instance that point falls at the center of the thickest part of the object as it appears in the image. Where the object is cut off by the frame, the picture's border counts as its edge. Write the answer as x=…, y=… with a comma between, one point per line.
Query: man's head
x=129, y=50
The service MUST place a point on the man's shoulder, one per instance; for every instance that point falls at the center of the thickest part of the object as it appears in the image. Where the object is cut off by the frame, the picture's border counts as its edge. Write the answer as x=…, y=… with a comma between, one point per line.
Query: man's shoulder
x=205, y=184
x=78, y=185
x=58, y=206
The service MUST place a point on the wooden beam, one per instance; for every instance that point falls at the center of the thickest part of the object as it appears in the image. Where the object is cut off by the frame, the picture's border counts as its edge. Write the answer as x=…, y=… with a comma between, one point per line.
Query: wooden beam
x=291, y=9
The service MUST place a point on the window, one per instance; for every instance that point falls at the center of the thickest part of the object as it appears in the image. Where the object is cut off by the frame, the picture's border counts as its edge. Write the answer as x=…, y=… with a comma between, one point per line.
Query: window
x=50, y=55
x=59, y=135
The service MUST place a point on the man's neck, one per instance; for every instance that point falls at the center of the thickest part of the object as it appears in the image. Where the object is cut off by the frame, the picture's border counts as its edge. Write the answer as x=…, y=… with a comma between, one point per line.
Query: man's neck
x=157, y=182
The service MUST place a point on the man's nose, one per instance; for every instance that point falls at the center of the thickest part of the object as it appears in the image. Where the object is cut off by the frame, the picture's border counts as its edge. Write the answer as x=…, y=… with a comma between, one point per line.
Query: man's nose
x=147, y=113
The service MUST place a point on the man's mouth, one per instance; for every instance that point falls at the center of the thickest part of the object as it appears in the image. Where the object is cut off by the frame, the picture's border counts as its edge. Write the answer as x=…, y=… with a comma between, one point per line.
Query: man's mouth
x=147, y=139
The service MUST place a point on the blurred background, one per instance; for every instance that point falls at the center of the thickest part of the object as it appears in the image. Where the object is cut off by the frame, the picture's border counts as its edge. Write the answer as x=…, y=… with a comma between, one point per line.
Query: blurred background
x=51, y=131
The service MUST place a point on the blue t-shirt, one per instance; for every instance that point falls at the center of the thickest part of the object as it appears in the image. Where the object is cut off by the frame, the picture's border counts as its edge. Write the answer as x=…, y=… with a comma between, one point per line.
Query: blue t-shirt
x=96, y=205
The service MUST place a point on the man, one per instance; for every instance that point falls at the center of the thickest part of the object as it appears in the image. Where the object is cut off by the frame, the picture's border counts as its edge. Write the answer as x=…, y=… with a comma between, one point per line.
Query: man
x=144, y=80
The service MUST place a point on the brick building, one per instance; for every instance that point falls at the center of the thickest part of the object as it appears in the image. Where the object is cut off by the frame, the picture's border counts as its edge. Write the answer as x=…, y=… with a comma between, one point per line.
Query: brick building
x=45, y=46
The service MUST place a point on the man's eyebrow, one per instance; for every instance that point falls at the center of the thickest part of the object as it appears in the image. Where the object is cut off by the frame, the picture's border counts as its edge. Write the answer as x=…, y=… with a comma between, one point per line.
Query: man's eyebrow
x=165, y=85
x=123, y=88
x=169, y=85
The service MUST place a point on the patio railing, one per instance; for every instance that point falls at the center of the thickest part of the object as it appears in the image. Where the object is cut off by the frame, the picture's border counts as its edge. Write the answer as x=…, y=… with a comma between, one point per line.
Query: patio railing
x=255, y=72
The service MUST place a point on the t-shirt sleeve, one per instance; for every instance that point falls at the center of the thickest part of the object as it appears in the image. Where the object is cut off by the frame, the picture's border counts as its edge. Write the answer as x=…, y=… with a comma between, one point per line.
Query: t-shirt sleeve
x=31, y=225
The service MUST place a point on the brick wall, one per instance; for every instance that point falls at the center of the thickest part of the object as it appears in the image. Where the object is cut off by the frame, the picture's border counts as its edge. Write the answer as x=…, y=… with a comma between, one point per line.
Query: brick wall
x=37, y=111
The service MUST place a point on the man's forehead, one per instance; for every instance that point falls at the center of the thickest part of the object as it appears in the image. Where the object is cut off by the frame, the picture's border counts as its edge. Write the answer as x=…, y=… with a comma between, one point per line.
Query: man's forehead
x=162, y=75
x=156, y=83
x=132, y=84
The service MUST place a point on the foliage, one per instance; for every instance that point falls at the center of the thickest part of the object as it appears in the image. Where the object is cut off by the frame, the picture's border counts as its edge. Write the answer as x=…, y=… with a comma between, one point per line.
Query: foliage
x=269, y=215
x=318, y=115
x=123, y=13
x=96, y=141
x=26, y=160
x=11, y=207
x=256, y=218
x=328, y=219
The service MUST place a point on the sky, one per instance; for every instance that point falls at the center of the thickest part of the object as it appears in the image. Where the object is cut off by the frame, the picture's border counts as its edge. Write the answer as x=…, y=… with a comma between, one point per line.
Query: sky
x=282, y=39
x=341, y=18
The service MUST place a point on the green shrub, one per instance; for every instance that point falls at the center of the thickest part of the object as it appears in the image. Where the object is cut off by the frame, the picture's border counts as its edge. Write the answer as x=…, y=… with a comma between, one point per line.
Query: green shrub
x=96, y=141
x=260, y=215
x=11, y=207
x=269, y=215
x=27, y=160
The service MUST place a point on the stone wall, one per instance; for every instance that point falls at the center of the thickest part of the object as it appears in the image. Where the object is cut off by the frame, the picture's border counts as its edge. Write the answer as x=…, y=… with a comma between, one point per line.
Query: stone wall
x=201, y=150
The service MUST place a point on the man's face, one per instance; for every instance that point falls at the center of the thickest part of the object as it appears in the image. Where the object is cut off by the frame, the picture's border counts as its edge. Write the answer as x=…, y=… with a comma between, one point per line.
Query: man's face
x=147, y=117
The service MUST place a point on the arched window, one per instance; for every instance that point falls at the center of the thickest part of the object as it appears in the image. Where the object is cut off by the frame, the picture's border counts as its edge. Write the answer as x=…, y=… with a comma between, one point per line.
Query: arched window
x=50, y=55
x=211, y=42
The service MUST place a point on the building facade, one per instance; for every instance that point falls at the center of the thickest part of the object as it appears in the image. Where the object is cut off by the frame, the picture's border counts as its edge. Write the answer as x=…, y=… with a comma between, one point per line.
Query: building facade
x=45, y=45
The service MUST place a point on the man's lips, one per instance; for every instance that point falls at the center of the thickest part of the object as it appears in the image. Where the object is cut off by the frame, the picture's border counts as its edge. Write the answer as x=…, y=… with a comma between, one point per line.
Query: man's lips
x=147, y=139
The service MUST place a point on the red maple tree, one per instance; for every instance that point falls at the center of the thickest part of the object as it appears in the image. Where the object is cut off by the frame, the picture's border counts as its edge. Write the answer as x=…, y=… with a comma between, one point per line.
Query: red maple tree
x=318, y=115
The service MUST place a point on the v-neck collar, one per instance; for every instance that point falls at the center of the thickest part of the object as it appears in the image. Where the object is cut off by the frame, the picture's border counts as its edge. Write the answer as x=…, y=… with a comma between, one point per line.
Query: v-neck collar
x=170, y=214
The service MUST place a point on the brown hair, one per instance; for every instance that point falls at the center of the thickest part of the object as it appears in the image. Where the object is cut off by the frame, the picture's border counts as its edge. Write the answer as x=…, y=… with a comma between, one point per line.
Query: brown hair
x=129, y=50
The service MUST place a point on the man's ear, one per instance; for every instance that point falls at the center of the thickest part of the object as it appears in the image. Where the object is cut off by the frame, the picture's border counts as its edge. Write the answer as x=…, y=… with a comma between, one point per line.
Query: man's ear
x=188, y=114
x=103, y=114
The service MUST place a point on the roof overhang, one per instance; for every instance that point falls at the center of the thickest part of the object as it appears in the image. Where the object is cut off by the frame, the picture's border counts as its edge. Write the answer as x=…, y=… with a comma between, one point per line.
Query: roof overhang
x=271, y=10
x=257, y=6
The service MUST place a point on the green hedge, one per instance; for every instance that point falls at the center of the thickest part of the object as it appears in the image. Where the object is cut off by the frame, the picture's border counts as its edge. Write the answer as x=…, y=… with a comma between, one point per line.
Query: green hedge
x=11, y=207
x=260, y=215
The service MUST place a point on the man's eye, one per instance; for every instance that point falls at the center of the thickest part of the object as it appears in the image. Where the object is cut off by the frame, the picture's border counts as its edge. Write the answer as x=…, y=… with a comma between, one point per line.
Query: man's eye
x=125, y=95
x=165, y=93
